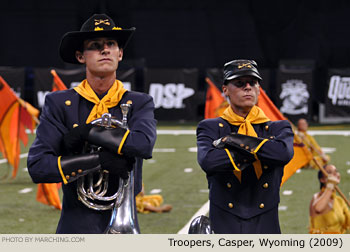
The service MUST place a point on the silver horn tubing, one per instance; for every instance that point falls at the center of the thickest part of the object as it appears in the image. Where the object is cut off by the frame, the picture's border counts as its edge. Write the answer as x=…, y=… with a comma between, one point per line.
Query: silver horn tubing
x=124, y=218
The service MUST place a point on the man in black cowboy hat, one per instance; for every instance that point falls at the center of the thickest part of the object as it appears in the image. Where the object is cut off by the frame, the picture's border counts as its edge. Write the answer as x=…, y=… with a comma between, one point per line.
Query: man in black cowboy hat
x=243, y=154
x=59, y=153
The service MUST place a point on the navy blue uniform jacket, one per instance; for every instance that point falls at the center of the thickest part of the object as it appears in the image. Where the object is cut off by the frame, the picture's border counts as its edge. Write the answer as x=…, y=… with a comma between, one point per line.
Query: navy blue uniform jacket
x=61, y=111
x=251, y=197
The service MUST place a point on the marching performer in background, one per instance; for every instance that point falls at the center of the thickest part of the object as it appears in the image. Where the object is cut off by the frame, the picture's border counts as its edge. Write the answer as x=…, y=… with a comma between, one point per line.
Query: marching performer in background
x=59, y=152
x=329, y=213
x=151, y=203
x=243, y=155
x=311, y=144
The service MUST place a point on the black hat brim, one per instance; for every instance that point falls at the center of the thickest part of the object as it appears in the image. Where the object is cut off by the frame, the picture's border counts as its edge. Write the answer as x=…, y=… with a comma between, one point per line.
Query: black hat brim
x=245, y=73
x=73, y=41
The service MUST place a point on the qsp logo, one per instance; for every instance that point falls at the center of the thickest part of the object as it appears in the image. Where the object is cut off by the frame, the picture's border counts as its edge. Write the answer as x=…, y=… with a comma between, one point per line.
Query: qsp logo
x=339, y=90
x=170, y=95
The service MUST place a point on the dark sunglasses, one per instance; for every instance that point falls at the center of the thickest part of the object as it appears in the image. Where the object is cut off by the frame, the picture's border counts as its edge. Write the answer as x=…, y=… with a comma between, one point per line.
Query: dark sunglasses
x=241, y=84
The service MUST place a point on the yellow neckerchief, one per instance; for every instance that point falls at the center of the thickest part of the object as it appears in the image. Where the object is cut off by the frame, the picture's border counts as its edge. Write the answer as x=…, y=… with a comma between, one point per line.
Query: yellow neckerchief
x=111, y=99
x=256, y=116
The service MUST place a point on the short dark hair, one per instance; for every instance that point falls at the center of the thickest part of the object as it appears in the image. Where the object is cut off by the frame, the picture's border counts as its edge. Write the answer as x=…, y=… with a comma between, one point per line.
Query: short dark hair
x=320, y=175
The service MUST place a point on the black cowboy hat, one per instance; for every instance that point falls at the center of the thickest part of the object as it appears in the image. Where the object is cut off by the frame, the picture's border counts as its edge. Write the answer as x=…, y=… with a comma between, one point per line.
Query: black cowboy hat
x=99, y=25
x=241, y=67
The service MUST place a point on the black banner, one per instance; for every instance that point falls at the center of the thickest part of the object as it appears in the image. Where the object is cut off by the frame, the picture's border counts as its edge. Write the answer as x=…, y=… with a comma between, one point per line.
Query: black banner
x=15, y=77
x=128, y=77
x=338, y=94
x=294, y=92
x=174, y=93
x=43, y=80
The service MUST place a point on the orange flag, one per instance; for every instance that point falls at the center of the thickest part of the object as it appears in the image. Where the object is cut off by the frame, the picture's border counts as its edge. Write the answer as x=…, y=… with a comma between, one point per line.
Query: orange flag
x=47, y=193
x=14, y=119
x=215, y=103
x=302, y=155
x=8, y=102
x=57, y=82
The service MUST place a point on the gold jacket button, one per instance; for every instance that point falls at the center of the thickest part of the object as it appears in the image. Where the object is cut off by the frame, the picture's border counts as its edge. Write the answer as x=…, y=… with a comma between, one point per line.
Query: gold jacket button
x=261, y=206
x=68, y=102
x=229, y=185
x=230, y=205
x=67, y=177
x=73, y=174
x=221, y=125
x=266, y=185
x=75, y=125
x=247, y=147
x=242, y=145
x=272, y=137
x=265, y=166
x=80, y=171
x=266, y=127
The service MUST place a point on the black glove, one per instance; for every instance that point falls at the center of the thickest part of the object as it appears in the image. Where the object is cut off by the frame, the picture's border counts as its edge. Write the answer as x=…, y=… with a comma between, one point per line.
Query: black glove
x=108, y=138
x=241, y=161
x=243, y=144
x=74, y=140
x=116, y=164
x=76, y=166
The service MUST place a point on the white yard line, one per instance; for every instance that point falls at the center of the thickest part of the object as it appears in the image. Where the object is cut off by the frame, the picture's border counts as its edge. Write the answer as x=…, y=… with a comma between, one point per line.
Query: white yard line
x=29, y=132
x=329, y=132
x=202, y=211
x=164, y=150
x=176, y=132
x=23, y=155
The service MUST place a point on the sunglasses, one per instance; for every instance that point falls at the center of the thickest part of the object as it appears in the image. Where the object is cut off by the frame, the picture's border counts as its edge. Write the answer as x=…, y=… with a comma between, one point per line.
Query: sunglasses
x=241, y=83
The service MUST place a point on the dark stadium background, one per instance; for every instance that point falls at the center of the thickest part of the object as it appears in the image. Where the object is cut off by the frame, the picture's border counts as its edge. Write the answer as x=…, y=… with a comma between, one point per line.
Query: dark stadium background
x=189, y=33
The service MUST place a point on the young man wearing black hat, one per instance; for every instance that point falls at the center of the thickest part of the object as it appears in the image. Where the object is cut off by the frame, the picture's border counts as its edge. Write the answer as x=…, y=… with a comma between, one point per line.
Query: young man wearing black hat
x=58, y=153
x=243, y=155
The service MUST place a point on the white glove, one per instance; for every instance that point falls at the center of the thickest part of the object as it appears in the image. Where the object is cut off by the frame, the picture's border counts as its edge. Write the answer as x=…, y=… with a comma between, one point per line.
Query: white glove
x=332, y=181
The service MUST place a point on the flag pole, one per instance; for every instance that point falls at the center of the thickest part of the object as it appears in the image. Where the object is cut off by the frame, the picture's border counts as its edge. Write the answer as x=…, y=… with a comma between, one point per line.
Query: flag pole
x=24, y=104
x=324, y=172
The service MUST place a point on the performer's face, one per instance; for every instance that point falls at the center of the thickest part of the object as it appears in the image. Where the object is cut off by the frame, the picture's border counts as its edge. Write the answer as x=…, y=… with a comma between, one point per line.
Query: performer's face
x=302, y=125
x=101, y=56
x=242, y=92
x=332, y=170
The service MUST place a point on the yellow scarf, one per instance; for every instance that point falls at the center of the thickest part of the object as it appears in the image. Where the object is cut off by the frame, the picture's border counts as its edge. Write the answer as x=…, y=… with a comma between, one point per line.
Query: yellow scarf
x=255, y=116
x=111, y=99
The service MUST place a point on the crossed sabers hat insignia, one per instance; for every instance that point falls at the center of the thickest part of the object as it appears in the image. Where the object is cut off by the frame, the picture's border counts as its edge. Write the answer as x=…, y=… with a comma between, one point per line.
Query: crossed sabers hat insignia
x=244, y=65
x=100, y=21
